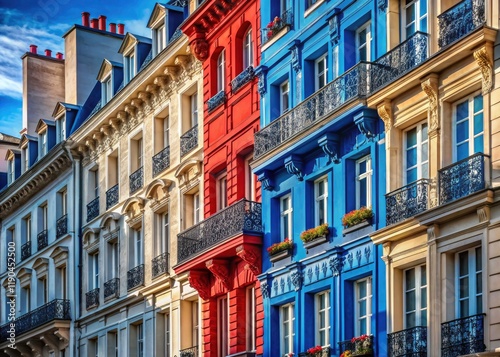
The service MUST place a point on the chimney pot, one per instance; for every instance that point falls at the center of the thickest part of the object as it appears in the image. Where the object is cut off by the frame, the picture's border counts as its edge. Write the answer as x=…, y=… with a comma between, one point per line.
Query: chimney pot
x=59, y=56
x=48, y=53
x=85, y=18
x=94, y=23
x=102, y=23
x=33, y=48
x=121, y=29
x=112, y=27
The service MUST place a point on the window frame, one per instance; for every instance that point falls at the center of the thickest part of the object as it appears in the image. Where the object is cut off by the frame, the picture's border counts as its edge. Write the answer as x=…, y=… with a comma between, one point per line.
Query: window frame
x=320, y=198
x=193, y=103
x=221, y=71
x=284, y=331
x=223, y=326
x=360, y=176
x=367, y=41
x=284, y=92
x=248, y=49
x=94, y=270
x=221, y=190
x=160, y=37
x=357, y=299
x=472, y=281
x=286, y=215
x=470, y=118
x=250, y=318
x=416, y=21
x=326, y=295
x=320, y=75
x=420, y=290
x=420, y=142
x=130, y=65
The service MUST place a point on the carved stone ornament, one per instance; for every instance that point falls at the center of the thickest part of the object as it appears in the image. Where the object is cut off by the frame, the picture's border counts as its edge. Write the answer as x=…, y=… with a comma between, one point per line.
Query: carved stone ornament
x=385, y=113
x=483, y=60
x=293, y=165
x=199, y=48
x=265, y=180
x=297, y=279
x=219, y=268
x=264, y=288
x=251, y=256
x=201, y=282
x=430, y=87
x=330, y=144
x=382, y=5
x=336, y=265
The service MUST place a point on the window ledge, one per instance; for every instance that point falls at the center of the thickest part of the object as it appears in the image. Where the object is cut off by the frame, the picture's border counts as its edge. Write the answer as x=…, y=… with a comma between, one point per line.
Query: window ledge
x=312, y=8
x=275, y=38
x=279, y=256
x=358, y=226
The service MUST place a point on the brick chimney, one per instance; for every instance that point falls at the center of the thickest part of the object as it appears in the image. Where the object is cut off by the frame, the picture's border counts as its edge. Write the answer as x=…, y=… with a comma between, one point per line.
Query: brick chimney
x=94, y=23
x=85, y=19
x=102, y=23
x=121, y=29
x=112, y=27
x=33, y=48
x=59, y=56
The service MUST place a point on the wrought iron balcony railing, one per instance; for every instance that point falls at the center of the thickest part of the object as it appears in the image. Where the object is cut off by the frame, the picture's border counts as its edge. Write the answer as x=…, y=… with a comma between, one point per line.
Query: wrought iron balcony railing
x=463, y=178
x=62, y=226
x=276, y=25
x=325, y=352
x=189, y=140
x=112, y=196
x=241, y=79
x=460, y=20
x=136, y=179
x=93, y=209
x=135, y=277
x=26, y=250
x=216, y=100
x=350, y=85
x=92, y=298
x=189, y=352
x=161, y=161
x=42, y=239
x=463, y=336
x=357, y=347
x=57, y=309
x=159, y=265
x=242, y=217
x=407, y=201
x=112, y=288
x=411, y=342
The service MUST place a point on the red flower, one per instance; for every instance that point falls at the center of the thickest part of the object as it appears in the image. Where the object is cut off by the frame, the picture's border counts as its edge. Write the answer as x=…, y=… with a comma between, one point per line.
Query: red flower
x=314, y=350
x=270, y=25
x=269, y=34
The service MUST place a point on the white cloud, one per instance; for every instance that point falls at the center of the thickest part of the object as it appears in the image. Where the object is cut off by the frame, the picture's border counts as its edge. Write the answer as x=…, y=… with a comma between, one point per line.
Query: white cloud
x=138, y=26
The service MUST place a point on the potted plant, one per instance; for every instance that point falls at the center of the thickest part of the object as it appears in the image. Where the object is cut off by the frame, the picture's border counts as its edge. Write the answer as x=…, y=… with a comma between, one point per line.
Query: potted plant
x=280, y=250
x=315, y=236
x=314, y=351
x=361, y=346
x=273, y=27
x=357, y=216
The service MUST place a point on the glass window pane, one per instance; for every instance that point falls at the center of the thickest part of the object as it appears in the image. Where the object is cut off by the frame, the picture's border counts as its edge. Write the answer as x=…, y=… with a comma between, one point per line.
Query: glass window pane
x=410, y=279
x=478, y=103
x=463, y=259
x=479, y=258
x=464, y=308
x=411, y=138
x=423, y=298
x=462, y=131
x=411, y=302
x=478, y=144
x=462, y=110
x=478, y=123
x=410, y=320
x=464, y=287
x=410, y=13
x=411, y=157
x=423, y=275
x=462, y=151
x=411, y=175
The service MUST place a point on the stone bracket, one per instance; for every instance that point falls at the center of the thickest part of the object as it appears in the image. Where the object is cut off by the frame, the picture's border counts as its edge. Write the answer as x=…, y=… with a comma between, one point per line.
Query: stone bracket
x=330, y=144
x=293, y=165
x=220, y=269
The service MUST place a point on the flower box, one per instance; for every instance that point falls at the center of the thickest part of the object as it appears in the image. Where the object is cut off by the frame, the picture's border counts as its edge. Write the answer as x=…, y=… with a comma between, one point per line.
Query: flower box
x=314, y=233
x=280, y=255
x=315, y=242
x=362, y=224
x=356, y=216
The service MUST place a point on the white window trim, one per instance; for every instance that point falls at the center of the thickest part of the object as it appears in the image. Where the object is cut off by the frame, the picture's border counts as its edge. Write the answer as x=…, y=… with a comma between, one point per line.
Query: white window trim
x=368, y=176
x=193, y=103
x=420, y=160
x=251, y=318
x=291, y=328
x=470, y=100
x=368, y=299
x=327, y=328
x=286, y=213
x=417, y=20
x=130, y=65
x=94, y=271
x=249, y=179
x=196, y=208
x=221, y=71
x=285, y=84
x=317, y=74
x=418, y=295
x=223, y=326
x=138, y=240
x=367, y=26
x=160, y=35
x=221, y=190
x=319, y=198
x=472, y=274
x=247, y=49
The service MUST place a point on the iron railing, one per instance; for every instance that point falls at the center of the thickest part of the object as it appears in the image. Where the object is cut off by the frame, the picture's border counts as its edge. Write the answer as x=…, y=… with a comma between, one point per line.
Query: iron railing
x=136, y=179
x=357, y=347
x=26, y=250
x=161, y=161
x=463, y=178
x=61, y=226
x=92, y=298
x=189, y=352
x=460, y=20
x=112, y=196
x=135, y=277
x=93, y=209
x=407, y=201
x=57, y=309
x=159, y=265
x=276, y=25
x=411, y=342
x=42, y=239
x=242, y=217
x=189, y=140
x=112, y=288
x=463, y=336
x=216, y=100
x=325, y=352
x=241, y=79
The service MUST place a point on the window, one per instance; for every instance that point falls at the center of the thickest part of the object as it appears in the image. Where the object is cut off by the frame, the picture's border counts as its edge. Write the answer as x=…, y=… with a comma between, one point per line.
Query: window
x=93, y=350
x=221, y=71
x=12, y=171
x=138, y=153
x=94, y=183
x=363, y=182
x=166, y=132
x=222, y=326
x=195, y=322
x=284, y=97
x=114, y=259
x=43, y=217
x=221, y=190
x=43, y=291
x=363, y=311
x=140, y=340
x=363, y=41
x=129, y=67
x=112, y=344
x=159, y=35
x=62, y=202
x=322, y=313
x=415, y=298
x=62, y=282
x=107, y=90
x=26, y=228
x=249, y=180
x=286, y=216
x=335, y=60
x=321, y=201
x=166, y=328
x=250, y=325
x=93, y=276
x=414, y=16
x=193, y=99
x=43, y=143
x=287, y=330
x=469, y=282
x=138, y=247
x=247, y=49
x=417, y=153
x=25, y=299
x=192, y=208
x=283, y=6
x=196, y=208
x=320, y=72
x=26, y=159
x=469, y=127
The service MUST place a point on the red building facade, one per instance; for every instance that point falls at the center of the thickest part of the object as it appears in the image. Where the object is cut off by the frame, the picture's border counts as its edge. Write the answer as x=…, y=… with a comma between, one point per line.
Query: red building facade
x=222, y=253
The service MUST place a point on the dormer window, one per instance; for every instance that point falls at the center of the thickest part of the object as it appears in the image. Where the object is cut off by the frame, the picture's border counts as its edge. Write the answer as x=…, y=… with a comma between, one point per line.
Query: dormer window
x=159, y=36
x=26, y=161
x=61, y=129
x=107, y=90
x=43, y=143
x=12, y=172
x=129, y=66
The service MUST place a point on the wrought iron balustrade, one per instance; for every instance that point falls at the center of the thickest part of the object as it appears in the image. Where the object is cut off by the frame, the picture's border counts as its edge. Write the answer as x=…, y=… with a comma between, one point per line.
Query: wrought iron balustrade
x=42, y=239
x=26, y=250
x=136, y=179
x=92, y=298
x=135, y=277
x=463, y=336
x=112, y=288
x=159, y=265
x=241, y=79
x=407, y=201
x=62, y=226
x=325, y=352
x=161, y=161
x=93, y=209
x=189, y=140
x=357, y=347
x=276, y=25
x=112, y=196
x=463, y=178
x=216, y=100
x=189, y=352
x=352, y=84
x=57, y=309
x=242, y=217
x=177, y=34
x=460, y=20
x=411, y=342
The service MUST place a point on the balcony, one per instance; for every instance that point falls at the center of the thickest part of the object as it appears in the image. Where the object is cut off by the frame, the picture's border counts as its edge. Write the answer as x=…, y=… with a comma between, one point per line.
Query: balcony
x=463, y=178
x=460, y=20
x=216, y=100
x=352, y=84
x=241, y=79
x=411, y=342
x=136, y=180
x=189, y=352
x=112, y=288
x=325, y=352
x=407, y=201
x=161, y=161
x=135, y=277
x=92, y=298
x=42, y=239
x=242, y=217
x=26, y=250
x=359, y=346
x=463, y=336
x=112, y=196
x=62, y=226
x=159, y=265
x=57, y=309
x=93, y=209
x=276, y=25
x=189, y=140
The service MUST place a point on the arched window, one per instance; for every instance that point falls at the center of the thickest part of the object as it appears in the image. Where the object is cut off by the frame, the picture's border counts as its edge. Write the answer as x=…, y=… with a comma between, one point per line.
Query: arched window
x=221, y=62
x=247, y=49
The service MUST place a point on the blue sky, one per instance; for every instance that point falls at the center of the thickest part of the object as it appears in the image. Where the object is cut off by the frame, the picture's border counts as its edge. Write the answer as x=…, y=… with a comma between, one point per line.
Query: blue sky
x=43, y=22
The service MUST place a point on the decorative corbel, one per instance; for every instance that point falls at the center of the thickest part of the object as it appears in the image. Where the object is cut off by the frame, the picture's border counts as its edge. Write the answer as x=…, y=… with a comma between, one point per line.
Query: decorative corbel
x=183, y=61
x=297, y=279
x=106, y=130
x=219, y=268
x=173, y=72
x=97, y=136
x=382, y=5
x=430, y=87
x=432, y=232
x=161, y=81
x=295, y=51
x=483, y=214
x=384, y=111
x=366, y=123
x=115, y=124
x=144, y=96
x=199, y=47
x=334, y=26
x=261, y=72
x=122, y=116
x=293, y=165
x=200, y=281
x=130, y=109
x=483, y=59
x=152, y=89
x=90, y=143
x=266, y=180
x=336, y=265
x=251, y=256
x=330, y=145
x=136, y=103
